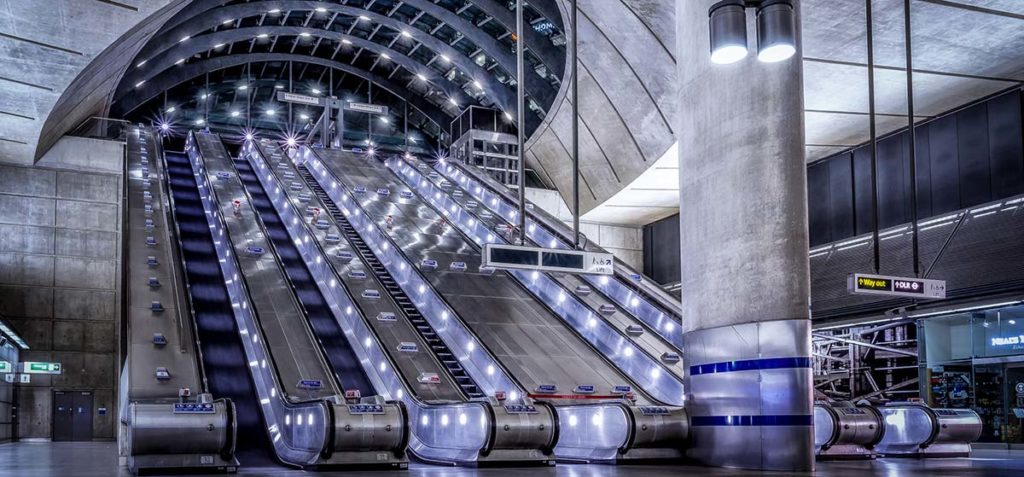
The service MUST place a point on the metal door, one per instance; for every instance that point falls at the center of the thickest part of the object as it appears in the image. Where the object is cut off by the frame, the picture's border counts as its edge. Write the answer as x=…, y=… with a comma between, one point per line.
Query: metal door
x=63, y=416
x=82, y=421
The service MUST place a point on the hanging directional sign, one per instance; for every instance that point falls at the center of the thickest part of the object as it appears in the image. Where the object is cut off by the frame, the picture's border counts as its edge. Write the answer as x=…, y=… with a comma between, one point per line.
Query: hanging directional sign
x=862, y=283
x=299, y=98
x=366, y=108
x=547, y=259
x=5, y=367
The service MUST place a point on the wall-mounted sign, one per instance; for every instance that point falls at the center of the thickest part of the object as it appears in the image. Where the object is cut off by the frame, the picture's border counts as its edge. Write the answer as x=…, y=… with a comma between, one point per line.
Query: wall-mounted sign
x=5, y=367
x=32, y=367
x=862, y=283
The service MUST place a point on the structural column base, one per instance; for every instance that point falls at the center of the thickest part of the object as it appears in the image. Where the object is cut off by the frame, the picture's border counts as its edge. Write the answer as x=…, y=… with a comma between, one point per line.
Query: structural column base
x=750, y=395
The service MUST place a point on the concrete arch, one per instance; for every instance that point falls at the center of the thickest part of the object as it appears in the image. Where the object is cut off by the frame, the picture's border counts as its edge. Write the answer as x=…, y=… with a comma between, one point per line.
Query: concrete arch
x=176, y=76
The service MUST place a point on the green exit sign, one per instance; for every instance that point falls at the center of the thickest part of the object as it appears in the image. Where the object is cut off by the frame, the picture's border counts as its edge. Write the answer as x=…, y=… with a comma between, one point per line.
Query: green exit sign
x=5, y=367
x=30, y=367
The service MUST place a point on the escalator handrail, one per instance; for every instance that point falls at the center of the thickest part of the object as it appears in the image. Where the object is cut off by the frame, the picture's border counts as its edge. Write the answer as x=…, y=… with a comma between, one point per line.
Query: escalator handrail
x=348, y=294
x=293, y=296
x=665, y=301
x=414, y=269
x=248, y=297
x=174, y=231
x=570, y=296
x=669, y=346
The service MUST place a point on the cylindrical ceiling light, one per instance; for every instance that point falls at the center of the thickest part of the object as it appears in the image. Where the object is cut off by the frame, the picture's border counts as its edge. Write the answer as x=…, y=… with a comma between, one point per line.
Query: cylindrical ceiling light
x=776, y=31
x=728, y=25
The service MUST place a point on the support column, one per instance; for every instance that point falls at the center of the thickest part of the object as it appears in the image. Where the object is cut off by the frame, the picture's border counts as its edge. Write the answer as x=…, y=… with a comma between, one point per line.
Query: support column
x=744, y=245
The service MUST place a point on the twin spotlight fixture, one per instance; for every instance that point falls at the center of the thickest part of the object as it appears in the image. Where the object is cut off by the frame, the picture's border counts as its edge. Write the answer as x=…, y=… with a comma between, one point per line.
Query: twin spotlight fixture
x=776, y=30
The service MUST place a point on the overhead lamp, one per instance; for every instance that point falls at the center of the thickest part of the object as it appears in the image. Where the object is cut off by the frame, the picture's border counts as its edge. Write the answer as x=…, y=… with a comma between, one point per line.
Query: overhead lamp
x=228, y=21
x=278, y=86
x=204, y=96
x=274, y=11
x=478, y=85
x=346, y=41
x=776, y=30
x=406, y=34
x=421, y=77
x=385, y=56
x=384, y=120
x=320, y=9
x=452, y=100
x=303, y=116
x=316, y=91
x=235, y=114
x=291, y=142
x=165, y=127
x=200, y=121
x=445, y=58
x=248, y=136
x=364, y=18
x=262, y=35
x=171, y=109
x=305, y=34
x=180, y=61
x=218, y=46
x=243, y=87
x=139, y=64
x=728, y=25
x=508, y=116
x=270, y=112
x=184, y=39
x=140, y=83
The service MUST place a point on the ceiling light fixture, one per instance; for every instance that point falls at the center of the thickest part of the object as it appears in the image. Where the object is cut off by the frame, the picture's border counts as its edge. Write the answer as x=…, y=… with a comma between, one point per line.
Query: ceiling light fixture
x=346, y=41
x=776, y=30
x=728, y=25
x=235, y=114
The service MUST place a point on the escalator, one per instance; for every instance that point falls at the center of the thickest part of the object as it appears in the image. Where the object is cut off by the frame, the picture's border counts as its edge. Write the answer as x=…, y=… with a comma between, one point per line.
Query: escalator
x=553, y=362
x=654, y=331
x=227, y=369
x=305, y=369
x=394, y=345
x=633, y=293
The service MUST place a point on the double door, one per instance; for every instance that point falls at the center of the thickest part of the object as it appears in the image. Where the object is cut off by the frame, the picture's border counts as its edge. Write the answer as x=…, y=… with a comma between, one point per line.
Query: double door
x=72, y=415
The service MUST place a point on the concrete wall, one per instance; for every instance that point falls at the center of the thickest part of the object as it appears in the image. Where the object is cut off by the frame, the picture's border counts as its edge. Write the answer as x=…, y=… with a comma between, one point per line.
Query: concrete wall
x=60, y=262
x=623, y=241
x=8, y=353
x=46, y=45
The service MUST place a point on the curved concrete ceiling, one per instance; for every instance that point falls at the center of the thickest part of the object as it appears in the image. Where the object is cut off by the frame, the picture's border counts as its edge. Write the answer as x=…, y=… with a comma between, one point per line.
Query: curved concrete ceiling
x=62, y=60
x=473, y=68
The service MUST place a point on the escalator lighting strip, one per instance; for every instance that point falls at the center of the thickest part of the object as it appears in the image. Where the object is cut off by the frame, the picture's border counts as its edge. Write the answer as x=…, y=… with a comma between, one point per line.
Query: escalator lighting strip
x=753, y=421
x=750, y=365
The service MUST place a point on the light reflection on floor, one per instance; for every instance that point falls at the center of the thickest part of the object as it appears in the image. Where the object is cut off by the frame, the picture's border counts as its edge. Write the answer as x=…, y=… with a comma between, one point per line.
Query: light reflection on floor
x=99, y=459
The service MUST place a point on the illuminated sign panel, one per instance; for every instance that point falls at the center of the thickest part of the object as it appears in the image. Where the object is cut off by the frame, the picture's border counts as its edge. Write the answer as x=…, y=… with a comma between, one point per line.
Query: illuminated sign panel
x=548, y=260
x=299, y=98
x=30, y=367
x=861, y=283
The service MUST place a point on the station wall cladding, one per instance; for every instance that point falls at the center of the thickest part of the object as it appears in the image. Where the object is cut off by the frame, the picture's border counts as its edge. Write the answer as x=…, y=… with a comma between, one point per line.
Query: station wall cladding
x=60, y=253
x=965, y=158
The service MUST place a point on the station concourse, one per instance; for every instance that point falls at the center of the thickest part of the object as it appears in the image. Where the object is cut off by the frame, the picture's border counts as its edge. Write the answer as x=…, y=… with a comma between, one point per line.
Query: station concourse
x=510, y=237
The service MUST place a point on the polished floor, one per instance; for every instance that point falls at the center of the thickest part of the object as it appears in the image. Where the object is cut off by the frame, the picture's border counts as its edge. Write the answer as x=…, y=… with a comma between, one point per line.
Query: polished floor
x=99, y=459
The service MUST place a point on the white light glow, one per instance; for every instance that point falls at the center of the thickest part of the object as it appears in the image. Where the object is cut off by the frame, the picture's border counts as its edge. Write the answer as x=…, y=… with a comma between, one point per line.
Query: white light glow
x=728, y=54
x=775, y=53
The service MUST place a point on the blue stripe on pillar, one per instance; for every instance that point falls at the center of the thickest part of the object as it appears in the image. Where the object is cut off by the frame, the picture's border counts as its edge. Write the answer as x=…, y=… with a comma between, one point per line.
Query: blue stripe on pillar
x=760, y=421
x=750, y=365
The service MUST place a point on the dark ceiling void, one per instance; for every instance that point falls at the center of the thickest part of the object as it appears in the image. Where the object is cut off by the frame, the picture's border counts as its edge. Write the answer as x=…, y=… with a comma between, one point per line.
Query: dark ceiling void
x=435, y=56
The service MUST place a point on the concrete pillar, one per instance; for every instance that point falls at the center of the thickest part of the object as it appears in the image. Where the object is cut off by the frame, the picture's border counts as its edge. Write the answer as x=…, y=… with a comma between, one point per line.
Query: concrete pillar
x=745, y=275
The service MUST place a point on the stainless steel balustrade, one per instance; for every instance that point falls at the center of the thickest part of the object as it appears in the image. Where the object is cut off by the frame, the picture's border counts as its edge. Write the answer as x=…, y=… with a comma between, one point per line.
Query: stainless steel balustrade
x=452, y=433
x=632, y=360
x=625, y=309
x=590, y=432
x=203, y=441
x=298, y=431
x=632, y=291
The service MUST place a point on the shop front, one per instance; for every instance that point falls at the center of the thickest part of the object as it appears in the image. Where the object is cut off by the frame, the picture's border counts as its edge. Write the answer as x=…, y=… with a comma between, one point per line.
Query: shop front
x=976, y=360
